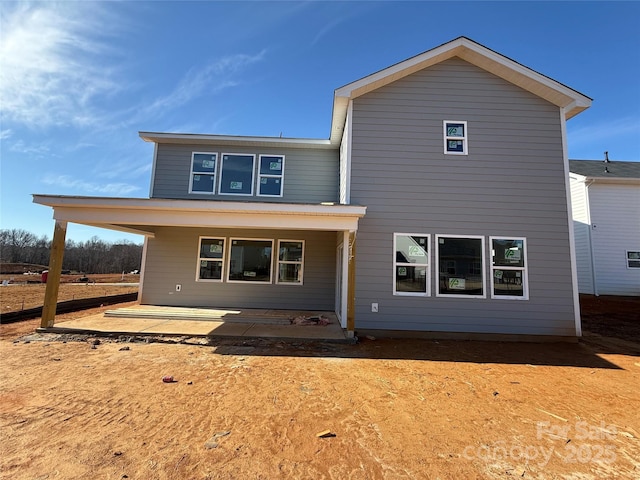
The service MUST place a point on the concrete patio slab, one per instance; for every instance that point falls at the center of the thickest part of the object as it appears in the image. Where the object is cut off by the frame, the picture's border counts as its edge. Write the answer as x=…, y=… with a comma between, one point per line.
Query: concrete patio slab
x=195, y=322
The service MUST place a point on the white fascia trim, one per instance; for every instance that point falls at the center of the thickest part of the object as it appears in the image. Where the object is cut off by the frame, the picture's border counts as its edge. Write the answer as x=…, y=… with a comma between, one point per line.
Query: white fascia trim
x=106, y=212
x=153, y=169
x=572, y=237
x=185, y=138
x=468, y=50
x=349, y=130
x=199, y=205
x=613, y=180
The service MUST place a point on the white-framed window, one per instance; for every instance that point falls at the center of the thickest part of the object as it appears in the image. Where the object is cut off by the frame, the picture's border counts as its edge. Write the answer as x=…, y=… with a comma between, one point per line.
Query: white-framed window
x=202, y=178
x=290, y=262
x=210, y=259
x=633, y=258
x=270, y=175
x=250, y=260
x=456, y=137
x=236, y=174
x=460, y=266
x=509, y=279
x=411, y=272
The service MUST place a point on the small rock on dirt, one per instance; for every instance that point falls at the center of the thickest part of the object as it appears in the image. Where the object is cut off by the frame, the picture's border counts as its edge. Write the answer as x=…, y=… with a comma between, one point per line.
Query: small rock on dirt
x=213, y=441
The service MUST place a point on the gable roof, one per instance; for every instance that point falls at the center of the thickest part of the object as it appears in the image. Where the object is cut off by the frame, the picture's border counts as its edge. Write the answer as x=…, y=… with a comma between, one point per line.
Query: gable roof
x=595, y=169
x=462, y=47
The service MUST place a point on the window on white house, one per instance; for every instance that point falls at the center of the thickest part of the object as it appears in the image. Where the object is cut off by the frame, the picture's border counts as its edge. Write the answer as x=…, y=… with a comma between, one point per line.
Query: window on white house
x=460, y=263
x=270, y=175
x=250, y=260
x=412, y=275
x=236, y=174
x=203, y=172
x=509, y=268
x=290, y=261
x=633, y=258
x=455, y=137
x=210, y=259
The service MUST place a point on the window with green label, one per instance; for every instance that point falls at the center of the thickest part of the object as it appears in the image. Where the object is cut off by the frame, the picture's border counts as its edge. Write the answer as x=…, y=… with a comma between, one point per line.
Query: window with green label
x=210, y=259
x=236, y=174
x=455, y=137
x=460, y=264
x=203, y=172
x=508, y=268
x=250, y=260
x=290, y=261
x=411, y=273
x=270, y=175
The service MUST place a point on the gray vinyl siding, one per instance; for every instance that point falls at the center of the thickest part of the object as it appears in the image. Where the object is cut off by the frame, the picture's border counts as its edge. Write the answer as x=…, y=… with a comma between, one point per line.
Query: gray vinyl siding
x=310, y=175
x=581, y=229
x=615, y=214
x=172, y=258
x=512, y=183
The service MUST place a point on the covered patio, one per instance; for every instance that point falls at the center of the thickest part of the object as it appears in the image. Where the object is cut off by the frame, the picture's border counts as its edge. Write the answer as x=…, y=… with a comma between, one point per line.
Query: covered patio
x=140, y=320
x=148, y=216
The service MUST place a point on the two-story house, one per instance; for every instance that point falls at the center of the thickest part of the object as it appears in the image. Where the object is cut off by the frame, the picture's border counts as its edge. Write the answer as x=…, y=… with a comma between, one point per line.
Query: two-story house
x=439, y=203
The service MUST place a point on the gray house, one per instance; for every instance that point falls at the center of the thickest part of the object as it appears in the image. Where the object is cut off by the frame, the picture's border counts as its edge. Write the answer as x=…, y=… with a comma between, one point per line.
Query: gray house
x=605, y=197
x=439, y=203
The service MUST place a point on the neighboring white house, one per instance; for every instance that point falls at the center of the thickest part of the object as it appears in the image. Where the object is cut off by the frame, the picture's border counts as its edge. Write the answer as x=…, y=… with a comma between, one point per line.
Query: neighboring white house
x=606, y=217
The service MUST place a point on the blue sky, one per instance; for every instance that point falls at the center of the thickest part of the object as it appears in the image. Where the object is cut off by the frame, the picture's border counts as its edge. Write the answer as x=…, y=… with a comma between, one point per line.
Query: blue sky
x=78, y=80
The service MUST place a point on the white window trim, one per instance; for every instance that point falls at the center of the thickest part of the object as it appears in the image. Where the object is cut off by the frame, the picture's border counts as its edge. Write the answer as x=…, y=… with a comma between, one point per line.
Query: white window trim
x=428, y=265
x=524, y=270
x=253, y=174
x=270, y=282
x=286, y=262
x=465, y=138
x=627, y=260
x=222, y=260
x=483, y=274
x=214, y=174
x=260, y=175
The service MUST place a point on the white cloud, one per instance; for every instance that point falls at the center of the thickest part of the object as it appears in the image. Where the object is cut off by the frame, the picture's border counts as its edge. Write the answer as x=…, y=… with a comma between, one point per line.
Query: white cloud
x=211, y=79
x=49, y=73
x=327, y=28
x=21, y=147
x=604, y=130
x=69, y=183
x=4, y=134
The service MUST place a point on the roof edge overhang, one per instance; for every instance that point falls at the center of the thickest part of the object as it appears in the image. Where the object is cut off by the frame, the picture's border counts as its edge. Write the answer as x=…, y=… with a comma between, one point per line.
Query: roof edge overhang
x=234, y=140
x=572, y=101
x=605, y=180
x=142, y=215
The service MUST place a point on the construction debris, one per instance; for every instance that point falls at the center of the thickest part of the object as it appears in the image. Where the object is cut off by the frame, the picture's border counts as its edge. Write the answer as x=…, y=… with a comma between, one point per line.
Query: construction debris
x=314, y=320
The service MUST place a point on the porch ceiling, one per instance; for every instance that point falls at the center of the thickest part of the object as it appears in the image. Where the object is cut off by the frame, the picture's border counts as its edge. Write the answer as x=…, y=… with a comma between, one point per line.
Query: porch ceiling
x=142, y=215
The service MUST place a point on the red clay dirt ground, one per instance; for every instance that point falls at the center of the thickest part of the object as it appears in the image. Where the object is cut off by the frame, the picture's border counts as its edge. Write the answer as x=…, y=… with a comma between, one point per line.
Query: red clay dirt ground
x=73, y=407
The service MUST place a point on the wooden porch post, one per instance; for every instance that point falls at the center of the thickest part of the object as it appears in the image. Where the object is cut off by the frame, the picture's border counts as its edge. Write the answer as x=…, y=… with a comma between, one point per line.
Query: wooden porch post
x=351, y=287
x=53, y=278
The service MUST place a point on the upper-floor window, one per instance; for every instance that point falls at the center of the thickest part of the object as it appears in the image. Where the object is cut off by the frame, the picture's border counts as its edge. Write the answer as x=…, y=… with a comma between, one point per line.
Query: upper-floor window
x=236, y=174
x=455, y=137
x=203, y=172
x=270, y=175
x=633, y=258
